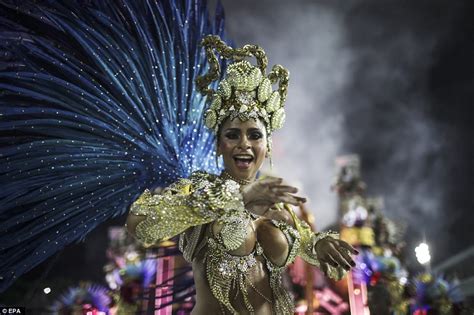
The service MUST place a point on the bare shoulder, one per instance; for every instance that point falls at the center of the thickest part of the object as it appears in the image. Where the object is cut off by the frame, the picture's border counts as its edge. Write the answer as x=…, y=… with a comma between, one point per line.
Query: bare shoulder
x=132, y=222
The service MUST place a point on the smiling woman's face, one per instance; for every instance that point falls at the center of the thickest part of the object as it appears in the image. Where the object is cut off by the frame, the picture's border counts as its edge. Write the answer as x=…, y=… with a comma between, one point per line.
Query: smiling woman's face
x=243, y=146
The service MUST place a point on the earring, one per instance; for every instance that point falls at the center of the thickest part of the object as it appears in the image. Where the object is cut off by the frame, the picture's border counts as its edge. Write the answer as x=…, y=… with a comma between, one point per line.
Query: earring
x=268, y=154
x=217, y=160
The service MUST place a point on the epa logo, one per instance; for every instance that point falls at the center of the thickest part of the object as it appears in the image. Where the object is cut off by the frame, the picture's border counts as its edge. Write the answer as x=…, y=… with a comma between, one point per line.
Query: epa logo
x=12, y=310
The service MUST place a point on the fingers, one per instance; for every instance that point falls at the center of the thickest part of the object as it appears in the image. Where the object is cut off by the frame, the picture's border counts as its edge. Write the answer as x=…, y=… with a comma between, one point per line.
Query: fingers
x=324, y=267
x=271, y=181
x=284, y=193
x=290, y=199
x=335, y=259
x=336, y=254
x=348, y=258
x=331, y=261
x=284, y=189
x=275, y=185
x=300, y=199
x=340, y=260
x=271, y=190
x=345, y=249
x=348, y=247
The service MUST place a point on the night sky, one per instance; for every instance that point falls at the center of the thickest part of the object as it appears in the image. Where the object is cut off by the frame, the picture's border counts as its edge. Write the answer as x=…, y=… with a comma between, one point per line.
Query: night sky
x=389, y=80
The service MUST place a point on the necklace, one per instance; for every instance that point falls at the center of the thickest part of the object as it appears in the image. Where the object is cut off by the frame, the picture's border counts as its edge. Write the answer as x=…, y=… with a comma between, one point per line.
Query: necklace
x=226, y=175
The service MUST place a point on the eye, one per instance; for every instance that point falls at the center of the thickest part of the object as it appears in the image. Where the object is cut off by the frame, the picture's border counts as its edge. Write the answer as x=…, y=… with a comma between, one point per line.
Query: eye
x=231, y=135
x=256, y=135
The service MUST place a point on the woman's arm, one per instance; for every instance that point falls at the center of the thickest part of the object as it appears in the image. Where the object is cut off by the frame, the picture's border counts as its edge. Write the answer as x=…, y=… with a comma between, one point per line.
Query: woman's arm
x=132, y=222
x=200, y=199
x=323, y=249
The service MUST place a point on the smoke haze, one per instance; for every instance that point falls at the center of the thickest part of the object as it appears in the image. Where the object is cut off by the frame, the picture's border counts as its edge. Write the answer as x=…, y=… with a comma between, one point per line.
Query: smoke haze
x=365, y=78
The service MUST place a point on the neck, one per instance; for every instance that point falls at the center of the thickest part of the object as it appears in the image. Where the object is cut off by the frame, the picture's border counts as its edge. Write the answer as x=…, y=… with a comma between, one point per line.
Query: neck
x=242, y=182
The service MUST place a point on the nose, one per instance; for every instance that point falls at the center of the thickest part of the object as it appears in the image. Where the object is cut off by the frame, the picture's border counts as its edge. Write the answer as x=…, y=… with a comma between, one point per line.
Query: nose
x=244, y=143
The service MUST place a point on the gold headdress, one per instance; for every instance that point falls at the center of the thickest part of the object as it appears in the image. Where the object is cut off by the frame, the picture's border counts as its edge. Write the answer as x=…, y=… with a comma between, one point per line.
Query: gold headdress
x=246, y=91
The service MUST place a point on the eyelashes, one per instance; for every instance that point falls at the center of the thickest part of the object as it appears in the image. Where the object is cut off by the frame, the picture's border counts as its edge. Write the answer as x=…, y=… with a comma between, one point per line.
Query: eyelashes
x=252, y=136
x=231, y=136
x=256, y=136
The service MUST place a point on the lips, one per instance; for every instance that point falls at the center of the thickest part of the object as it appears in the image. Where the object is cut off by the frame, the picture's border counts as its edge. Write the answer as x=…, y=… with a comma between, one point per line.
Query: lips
x=243, y=161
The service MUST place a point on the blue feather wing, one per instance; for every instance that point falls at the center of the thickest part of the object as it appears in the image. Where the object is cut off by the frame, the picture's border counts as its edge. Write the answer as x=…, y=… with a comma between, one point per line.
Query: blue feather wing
x=97, y=103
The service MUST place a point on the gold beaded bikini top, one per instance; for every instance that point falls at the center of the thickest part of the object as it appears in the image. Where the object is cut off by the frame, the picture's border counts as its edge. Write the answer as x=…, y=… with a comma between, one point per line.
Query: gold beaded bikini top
x=228, y=274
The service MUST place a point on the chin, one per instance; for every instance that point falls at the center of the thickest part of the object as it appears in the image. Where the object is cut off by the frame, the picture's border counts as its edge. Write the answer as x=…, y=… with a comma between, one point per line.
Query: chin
x=241, y=174
x=246, y=174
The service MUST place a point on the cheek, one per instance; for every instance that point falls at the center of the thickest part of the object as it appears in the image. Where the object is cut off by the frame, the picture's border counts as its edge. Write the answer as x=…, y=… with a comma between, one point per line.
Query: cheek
x=225, y=147
x=261, y=150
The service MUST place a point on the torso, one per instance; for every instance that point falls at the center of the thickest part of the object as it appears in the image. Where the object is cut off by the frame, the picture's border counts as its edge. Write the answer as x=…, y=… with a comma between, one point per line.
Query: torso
x=265, y=247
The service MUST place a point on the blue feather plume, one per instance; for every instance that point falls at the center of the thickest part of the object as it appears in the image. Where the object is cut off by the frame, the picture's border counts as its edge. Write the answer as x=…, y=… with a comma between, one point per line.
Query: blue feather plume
x=97, y=103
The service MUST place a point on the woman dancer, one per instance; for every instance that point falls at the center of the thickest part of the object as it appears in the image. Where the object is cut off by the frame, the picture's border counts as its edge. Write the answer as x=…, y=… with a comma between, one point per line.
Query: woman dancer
x=98, y=102
x=238, y=231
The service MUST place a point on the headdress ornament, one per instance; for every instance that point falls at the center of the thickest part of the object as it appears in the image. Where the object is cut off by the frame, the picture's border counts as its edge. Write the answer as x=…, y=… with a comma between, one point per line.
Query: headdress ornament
x=246, y=90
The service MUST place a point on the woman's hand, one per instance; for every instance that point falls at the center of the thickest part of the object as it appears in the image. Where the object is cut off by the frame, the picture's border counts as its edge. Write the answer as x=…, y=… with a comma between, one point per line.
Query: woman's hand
x=335, y=253
x=261, y=195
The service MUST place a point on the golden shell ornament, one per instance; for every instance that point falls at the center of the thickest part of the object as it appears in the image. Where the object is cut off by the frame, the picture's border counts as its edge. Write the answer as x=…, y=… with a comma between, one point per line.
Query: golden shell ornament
x=273, y=103
x=210, y=119
x=264, y=90
x=278, y=119
x=224, y=89
x=216, y=103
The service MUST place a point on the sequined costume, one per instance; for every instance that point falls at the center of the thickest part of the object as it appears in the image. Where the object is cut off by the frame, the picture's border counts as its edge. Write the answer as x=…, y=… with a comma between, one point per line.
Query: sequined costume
x=186, y=208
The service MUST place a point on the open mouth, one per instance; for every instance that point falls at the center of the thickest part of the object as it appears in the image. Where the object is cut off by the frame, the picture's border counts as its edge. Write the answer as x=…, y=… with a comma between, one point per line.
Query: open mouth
x=243, y=161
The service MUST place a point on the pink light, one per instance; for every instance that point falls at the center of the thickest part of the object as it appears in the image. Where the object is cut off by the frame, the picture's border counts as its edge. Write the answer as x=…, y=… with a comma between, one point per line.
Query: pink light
x=164, y=272
x=357, y=296
x=331, y=302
